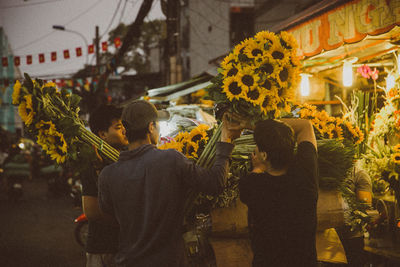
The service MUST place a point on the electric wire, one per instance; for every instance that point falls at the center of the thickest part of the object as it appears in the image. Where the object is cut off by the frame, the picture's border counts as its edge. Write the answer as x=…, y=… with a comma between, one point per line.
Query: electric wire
x=112, y=19
x=29, y=4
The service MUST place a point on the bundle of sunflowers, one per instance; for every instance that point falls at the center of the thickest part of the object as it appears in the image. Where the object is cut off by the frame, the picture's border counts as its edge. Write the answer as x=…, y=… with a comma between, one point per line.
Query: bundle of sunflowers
x=52, y=116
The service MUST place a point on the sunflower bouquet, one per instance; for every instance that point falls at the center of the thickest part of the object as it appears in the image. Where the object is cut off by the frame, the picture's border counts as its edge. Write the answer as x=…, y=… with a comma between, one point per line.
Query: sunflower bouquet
x=192, y=143
x=331, y=127
x=52, y=117
x=258, y=78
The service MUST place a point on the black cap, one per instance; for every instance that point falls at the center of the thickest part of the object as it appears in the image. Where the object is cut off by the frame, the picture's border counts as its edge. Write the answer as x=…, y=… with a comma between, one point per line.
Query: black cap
x=138, y=114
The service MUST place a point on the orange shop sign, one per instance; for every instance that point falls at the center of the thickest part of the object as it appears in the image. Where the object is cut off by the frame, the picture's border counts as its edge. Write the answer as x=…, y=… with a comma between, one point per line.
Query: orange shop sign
x=348, y=23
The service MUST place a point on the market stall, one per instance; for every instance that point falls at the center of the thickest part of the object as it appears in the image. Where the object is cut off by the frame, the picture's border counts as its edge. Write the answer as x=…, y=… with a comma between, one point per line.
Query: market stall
x=349, y=51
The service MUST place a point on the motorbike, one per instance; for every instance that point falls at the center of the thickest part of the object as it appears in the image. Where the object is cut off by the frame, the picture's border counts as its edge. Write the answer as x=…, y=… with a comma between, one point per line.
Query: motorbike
x=81, y=229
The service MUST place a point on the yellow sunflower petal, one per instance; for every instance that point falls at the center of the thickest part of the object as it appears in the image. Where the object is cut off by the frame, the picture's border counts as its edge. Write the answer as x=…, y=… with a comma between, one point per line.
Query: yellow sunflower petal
x=16, y=93
x=232, y=89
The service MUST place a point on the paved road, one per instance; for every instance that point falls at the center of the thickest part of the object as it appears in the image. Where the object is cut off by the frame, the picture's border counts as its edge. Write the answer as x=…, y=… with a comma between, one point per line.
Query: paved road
x=38, y=230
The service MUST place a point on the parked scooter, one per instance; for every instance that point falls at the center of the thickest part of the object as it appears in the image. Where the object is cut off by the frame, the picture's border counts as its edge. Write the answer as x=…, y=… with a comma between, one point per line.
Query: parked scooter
x=81, y=230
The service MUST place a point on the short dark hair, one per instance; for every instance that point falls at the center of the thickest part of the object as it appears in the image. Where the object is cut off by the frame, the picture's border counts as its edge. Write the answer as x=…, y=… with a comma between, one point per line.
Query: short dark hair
x=277, y=140
x=101, y=119
x=134, y=135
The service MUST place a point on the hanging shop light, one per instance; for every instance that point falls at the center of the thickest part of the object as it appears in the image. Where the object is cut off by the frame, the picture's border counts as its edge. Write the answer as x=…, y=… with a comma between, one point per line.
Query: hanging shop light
x=305, y=84
x=390, y=82
x=348, y=71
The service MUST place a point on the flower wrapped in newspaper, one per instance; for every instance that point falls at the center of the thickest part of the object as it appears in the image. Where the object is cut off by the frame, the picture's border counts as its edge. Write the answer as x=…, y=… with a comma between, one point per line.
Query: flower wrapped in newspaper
x=52, y=117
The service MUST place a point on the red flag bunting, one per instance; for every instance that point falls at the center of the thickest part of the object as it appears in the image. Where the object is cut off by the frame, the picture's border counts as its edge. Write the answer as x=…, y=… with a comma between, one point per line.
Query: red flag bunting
x=104, y=46
x=66, y=54
x=17, y=61
x=117, y=42
x=78, y=51
x=4, y=61
x=29, y=59
x=53, y=56
x=41, y=58
x=91, y=49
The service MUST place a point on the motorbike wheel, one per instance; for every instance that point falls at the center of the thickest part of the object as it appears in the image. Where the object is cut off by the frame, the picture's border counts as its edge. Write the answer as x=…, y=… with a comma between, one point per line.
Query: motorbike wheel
x=81, y=233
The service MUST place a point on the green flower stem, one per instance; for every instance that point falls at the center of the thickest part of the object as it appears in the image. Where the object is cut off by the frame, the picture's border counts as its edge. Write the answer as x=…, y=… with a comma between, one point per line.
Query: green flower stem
x=204, y=160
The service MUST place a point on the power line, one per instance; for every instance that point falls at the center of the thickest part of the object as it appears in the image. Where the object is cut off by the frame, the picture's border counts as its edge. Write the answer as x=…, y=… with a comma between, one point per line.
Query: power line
x=112, y=19
x=29, y=4
x=122, y=12
x=50, y=33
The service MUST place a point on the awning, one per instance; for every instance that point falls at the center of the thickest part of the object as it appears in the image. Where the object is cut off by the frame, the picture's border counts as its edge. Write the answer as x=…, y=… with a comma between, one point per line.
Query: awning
x=340, y=23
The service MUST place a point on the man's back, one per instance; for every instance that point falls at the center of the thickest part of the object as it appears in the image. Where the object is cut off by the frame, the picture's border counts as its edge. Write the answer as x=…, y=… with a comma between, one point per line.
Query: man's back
x=282, y=212
x=147, y=199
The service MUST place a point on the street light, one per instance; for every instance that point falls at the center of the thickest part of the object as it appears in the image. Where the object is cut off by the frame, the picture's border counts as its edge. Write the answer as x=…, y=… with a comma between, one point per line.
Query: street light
x=62, y=28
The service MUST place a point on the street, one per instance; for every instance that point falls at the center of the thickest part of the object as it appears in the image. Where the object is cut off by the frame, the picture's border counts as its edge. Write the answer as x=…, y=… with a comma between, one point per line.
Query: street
x=38, y=230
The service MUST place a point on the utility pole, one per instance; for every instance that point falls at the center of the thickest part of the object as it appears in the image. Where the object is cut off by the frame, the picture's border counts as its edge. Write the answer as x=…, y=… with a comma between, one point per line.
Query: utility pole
x=173, y=59
x=97, y=47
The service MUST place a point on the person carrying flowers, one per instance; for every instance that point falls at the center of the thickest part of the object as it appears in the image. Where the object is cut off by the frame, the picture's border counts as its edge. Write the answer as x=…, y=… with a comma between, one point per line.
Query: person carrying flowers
x=149, y=195
x=102, y=240
x=281, y=193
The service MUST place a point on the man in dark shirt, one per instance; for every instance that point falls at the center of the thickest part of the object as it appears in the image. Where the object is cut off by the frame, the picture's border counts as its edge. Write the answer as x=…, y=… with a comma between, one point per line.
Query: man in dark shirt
x=281, y=194
x=148, y=197
x=102, y=240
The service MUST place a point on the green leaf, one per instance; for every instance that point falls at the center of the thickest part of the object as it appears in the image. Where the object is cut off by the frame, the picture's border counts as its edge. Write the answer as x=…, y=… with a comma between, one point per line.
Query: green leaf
x=75, y=99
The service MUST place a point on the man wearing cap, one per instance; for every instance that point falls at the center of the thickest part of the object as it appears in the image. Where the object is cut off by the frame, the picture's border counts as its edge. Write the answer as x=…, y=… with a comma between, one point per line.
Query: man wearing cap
x=145, y=190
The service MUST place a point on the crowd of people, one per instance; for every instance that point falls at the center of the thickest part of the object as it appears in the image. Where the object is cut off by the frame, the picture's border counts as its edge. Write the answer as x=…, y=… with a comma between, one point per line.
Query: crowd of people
x=135, y=206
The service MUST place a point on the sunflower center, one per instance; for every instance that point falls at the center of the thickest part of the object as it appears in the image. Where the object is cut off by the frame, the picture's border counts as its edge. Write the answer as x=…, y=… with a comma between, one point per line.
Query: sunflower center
x=190, y=150
x=253, y=94
x=265, y=102
x=277, y=55
x=28, y=110
x=285, y=45
x=397, y=158
x=284, y=75
x=267, y=68
x=280, y=91
x=267, y=84
x=256, y=52
x=235, y=89
x=232, y=72
x=197, y=137
x=248, y=80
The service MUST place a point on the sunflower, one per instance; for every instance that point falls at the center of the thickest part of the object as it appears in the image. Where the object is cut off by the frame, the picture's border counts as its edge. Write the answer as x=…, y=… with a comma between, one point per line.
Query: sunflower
x=247, y=77
x=269, y=103
x=232, y=88
x=58, y=155
x=230, y=70
x=268, y=86
x=190, y=149
x=288, y=41
x=50, y=84
x=396, y=158
x=181, y=137
x=16, y=93
x=172, y=145
x=266, y=37
x=199, y=133
x=46, y=126
x=268, y=67
x=280, y=54
x=231, y=58
x=239, y=49
x=396, y=148
x=25, y=110
x=255, y=96
x=254, y=49
x=59, y=142
x=285, y=76
x=44, y=140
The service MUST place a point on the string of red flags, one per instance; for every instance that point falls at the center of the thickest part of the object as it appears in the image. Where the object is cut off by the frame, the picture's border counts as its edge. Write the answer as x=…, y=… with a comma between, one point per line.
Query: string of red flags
x=18, y=60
